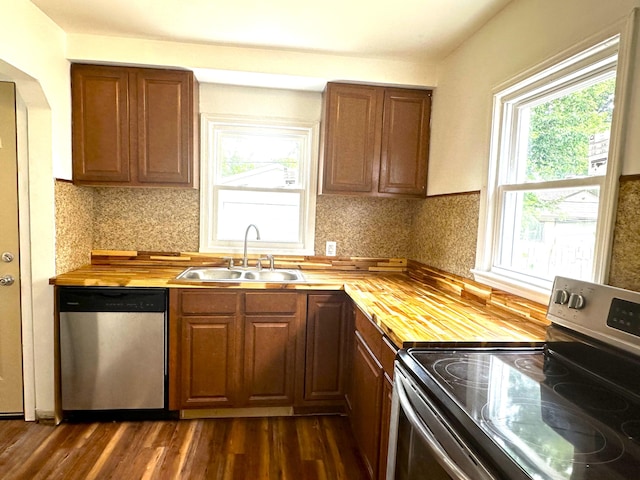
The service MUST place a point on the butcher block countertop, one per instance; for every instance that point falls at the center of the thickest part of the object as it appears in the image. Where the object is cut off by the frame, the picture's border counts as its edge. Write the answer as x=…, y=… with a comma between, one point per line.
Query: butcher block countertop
x=411, y=303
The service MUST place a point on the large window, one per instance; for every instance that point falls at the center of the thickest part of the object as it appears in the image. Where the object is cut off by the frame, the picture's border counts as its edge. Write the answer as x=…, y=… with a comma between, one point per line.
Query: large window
x=258, y=171
x=550, y=178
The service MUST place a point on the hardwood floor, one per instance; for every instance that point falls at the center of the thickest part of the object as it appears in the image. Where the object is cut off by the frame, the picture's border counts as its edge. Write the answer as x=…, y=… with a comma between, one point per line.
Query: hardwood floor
x=305, y=448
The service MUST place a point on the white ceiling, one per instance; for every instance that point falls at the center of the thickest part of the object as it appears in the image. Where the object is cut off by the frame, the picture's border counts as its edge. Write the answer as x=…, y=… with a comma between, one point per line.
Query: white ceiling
x=413, y=30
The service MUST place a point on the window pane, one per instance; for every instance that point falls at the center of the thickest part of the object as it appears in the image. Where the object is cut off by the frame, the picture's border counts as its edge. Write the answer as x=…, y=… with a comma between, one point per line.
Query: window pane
x=276, y=214
x=268, y=160
x=567, y=136
x=548, y=233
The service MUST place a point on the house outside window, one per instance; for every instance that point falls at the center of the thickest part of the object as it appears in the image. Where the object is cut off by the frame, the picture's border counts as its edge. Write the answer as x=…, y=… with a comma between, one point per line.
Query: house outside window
x=258, y=171
x=552, y=178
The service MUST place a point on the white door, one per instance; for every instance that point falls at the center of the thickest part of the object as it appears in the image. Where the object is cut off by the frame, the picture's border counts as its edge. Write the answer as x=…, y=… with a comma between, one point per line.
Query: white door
x=10, y=327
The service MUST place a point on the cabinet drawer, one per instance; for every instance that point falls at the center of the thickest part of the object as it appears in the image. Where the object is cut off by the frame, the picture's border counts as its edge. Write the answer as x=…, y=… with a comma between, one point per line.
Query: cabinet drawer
x=265, y=302
x=370, y=333
x=207, y=302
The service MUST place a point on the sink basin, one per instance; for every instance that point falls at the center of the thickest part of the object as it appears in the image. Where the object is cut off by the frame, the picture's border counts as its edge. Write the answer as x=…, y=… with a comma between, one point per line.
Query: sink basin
x=210, y=274
x=273, y=276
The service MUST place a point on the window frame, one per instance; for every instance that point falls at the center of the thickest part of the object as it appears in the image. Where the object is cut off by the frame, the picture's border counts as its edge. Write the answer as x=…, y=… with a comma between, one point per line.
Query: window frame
x=552, y=76
x=213, y=123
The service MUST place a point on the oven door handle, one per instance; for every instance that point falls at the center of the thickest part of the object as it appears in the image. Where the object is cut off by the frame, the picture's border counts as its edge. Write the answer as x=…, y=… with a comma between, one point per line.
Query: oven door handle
x=442, y=457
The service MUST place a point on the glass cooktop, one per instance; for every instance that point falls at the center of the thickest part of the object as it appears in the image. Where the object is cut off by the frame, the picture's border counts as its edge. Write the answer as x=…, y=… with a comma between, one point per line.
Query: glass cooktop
x=553, y=419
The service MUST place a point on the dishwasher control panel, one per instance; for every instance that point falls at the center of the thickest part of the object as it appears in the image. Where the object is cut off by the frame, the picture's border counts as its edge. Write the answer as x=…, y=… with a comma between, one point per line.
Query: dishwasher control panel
x=112, y=299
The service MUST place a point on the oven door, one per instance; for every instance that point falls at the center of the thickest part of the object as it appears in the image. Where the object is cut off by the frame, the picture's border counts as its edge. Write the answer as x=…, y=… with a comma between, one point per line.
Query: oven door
x=422, y=444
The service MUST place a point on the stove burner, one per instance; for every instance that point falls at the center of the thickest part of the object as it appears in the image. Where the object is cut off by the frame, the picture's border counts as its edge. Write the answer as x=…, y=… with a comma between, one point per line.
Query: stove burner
x=467, y=372
x=587, y=444
x=554, y=369
x=591, y=397
x=540, y=369
x=631, y=429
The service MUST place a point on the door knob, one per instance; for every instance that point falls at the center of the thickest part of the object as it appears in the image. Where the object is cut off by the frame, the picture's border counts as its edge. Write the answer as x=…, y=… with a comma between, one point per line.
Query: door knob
x=7, y=257
x=6, y=280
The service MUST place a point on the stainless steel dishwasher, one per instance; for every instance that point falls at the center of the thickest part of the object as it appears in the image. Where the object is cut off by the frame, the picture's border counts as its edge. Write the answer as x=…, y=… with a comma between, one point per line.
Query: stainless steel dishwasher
x=113, y=351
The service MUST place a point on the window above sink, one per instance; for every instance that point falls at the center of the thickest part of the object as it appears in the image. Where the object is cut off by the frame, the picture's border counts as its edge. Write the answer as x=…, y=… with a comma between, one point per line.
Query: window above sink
x=260, y=171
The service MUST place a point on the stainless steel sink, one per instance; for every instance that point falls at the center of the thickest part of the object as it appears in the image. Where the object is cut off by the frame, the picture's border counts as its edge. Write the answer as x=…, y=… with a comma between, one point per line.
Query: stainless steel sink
x=211, y=274
x=273, y=276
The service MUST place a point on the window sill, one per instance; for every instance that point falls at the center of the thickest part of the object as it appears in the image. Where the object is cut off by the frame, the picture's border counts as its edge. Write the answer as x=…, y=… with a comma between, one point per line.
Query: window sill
x=511, y=285
x=251, y=250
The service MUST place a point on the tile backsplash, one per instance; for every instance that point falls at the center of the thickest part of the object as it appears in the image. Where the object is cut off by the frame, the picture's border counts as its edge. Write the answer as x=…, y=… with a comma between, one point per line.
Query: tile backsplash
x=438, y=231
x=74, y=225
x=150, y=219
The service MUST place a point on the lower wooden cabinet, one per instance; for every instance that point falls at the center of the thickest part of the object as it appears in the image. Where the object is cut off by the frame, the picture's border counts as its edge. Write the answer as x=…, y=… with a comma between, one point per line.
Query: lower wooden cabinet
x=232, y=349
x=369, y=393
x=204, y=350
x=312, y=351
x=210, y=365
x=365, y=402
x=325, y=361
x=270, y=334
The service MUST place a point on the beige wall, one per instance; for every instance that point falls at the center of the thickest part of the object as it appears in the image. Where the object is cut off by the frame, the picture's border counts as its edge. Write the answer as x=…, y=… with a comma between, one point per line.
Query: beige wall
x=524, y=34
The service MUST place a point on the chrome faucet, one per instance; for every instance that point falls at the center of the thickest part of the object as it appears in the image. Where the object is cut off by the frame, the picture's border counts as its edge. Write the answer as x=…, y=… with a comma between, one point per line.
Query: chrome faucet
x=245, y=261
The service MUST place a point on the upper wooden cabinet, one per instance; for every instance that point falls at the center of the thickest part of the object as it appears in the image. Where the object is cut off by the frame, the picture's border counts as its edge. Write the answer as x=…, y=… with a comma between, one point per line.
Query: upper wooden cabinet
x=134, y=126
x=376, y=141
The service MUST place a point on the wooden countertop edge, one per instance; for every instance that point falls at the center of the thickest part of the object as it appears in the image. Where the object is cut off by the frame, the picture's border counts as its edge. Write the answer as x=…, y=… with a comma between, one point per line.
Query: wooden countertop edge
x=515, y=328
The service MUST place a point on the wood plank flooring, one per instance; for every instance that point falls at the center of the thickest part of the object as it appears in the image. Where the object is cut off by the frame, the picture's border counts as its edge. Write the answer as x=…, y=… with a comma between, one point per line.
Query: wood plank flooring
x=301, y=448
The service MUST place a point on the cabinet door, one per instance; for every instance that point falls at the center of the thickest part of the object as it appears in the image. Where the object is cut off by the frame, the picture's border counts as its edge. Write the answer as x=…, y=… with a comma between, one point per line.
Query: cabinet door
x=165, y=117
x=365, y=398
x=270, y=333
x=208, y=361
x=326, y=348
x=353, y=123
x=205, y=334
x=100, y=124
x=405, y=142
x=269, y=360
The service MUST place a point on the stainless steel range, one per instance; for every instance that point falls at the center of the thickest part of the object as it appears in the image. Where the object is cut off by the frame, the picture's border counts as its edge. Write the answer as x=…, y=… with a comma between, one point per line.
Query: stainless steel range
x=565, y=409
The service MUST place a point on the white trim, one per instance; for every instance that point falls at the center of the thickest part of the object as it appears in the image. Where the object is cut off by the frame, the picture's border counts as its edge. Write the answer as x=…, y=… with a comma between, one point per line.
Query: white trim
x=26, y=296
x=520, y=89
x=607, y=211
x=307, y=188
x=512, y=285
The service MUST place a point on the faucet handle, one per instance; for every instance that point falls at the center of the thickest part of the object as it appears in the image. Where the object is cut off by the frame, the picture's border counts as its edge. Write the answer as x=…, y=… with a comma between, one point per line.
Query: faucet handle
x=271, y=261
x=230, y=262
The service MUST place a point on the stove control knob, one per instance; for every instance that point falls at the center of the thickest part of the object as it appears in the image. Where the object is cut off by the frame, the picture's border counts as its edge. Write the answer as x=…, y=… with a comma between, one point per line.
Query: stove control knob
x=576, y=301
x=560, y=297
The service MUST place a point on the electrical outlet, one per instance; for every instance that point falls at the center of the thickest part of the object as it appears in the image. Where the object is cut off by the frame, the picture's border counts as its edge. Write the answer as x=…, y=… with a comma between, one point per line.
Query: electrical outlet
x=331, y=249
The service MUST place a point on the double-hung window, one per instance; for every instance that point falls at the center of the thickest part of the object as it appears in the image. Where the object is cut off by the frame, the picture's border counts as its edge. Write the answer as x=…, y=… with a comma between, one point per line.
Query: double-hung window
x=258, y=171
x=551, y=188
